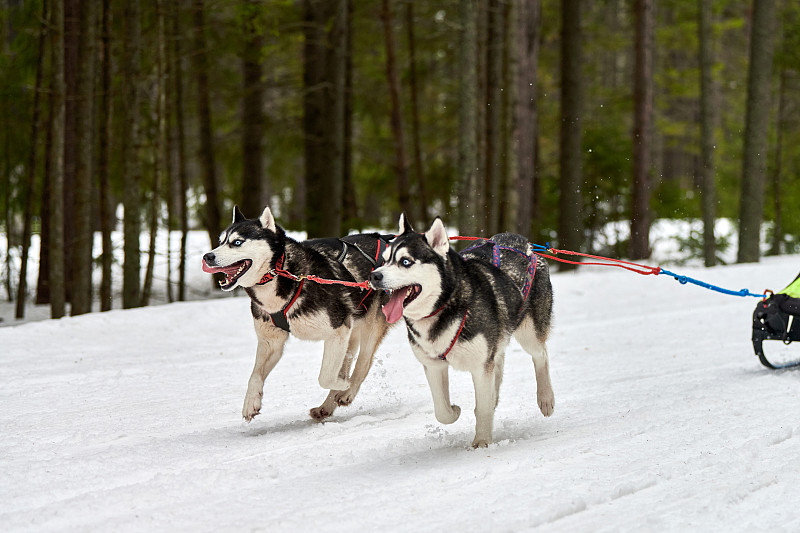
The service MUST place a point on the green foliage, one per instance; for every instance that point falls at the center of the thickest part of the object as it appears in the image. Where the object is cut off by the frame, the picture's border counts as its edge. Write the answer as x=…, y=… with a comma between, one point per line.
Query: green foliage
x=607, y=105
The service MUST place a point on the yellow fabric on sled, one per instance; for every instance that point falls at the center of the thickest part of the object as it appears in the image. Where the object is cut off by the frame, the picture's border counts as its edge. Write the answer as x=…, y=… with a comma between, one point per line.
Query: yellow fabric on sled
x=793, y=290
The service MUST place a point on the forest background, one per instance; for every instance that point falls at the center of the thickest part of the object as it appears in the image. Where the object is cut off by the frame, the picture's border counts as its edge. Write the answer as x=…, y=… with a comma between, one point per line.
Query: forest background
x=552, y=119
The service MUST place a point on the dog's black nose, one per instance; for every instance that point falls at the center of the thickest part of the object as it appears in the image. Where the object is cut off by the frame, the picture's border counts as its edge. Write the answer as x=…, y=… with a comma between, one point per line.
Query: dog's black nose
x=375, y=276
x=209, y=258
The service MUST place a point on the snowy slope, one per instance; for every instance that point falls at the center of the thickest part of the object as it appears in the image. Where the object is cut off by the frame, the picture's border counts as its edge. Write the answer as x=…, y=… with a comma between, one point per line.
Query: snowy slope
x=664, y=420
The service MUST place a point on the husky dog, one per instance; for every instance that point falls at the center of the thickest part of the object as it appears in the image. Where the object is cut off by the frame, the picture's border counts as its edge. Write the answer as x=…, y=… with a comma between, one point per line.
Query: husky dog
x=349, y=320
x=461, y=310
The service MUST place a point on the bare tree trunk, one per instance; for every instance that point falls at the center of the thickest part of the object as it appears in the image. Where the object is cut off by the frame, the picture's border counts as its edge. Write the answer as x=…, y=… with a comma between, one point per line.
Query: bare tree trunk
x=642, y=129
x=349, y=203
x=507, y=201
x=481, y=186
x=7, y=203
x=323, y=114
x=131, y=143
x=147, y=286
x=213, y=209
x=570, y=216
x=71, y=67
x=707, y=122
x=167, y=139
x=528, y=39
x=43, y=278
x=415, y=140
x=754, y=164
x=160, y=156
x=30, y=170
x=56, y=191
x=103, y=157
x=84, y=124
x=180, y=141
x=777, y=234
x=398, y=129
x=494, y=77
x=467, y=115
x=253, y=178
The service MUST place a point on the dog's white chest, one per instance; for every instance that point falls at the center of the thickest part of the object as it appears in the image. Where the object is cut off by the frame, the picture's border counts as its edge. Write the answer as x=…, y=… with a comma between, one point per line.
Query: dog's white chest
x=447, y=345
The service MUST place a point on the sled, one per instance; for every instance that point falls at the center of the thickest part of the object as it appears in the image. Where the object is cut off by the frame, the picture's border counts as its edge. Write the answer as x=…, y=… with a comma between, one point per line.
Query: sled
x=778, y=318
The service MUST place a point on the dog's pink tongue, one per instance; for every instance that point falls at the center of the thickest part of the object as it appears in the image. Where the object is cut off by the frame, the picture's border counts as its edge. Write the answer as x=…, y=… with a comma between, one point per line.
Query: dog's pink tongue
x=394, y=307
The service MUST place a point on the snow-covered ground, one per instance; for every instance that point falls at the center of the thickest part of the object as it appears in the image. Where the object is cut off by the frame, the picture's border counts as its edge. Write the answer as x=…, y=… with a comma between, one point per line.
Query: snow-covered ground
x=664, y=421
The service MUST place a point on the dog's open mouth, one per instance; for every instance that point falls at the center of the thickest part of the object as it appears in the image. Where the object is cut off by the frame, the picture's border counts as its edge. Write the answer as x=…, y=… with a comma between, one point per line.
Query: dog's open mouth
x=232, y=272
x=399, y=299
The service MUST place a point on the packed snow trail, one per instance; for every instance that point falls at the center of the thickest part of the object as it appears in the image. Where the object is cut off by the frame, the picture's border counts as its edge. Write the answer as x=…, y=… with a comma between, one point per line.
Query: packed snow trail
x=664, y=420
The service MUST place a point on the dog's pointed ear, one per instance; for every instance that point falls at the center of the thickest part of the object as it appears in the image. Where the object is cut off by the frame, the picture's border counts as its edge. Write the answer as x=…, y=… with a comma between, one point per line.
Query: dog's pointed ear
x=437, y=237
x=237, y=215
x=404, y=224
x=267, y=220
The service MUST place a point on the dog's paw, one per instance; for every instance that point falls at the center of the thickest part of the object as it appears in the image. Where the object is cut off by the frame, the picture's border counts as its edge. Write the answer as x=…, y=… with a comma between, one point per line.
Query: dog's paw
x=345, y=397
x=481, y=443
x=449, y=417
x=320, y=413
x=252, y=406
x=547, y=403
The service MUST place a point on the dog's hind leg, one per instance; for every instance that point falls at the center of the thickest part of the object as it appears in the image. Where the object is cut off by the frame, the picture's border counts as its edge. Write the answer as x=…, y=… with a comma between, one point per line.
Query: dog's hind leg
x=331, y=402
x=372, y=334
x=439, y=382
x=527, y=337
x=268, y=353
x=499, y=362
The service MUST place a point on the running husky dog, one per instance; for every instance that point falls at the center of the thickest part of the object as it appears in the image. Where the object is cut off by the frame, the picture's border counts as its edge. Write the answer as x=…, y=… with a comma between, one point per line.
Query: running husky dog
x=461, y=310
x=252, y=251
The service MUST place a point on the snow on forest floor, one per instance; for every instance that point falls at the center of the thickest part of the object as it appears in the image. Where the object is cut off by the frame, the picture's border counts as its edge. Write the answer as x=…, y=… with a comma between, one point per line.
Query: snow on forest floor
x=664, y=421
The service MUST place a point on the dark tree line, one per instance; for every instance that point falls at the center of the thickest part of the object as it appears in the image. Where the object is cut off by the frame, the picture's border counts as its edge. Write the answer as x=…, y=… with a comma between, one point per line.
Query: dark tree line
x=553, y=119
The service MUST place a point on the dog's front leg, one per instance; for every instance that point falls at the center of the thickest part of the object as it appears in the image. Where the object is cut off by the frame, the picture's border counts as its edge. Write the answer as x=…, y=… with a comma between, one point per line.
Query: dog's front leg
x=270, y=349
x=485, y=402
x=436, y=373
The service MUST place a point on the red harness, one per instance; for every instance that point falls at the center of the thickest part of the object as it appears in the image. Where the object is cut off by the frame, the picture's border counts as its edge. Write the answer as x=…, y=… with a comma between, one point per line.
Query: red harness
x=280, y=318
x=443, y=356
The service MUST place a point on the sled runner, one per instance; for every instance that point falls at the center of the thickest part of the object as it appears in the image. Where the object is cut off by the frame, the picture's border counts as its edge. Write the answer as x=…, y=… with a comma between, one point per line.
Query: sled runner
x=778, y=318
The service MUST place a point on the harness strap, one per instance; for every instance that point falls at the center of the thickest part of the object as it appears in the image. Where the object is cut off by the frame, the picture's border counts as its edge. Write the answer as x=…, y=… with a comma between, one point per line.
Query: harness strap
x=496, y=262
x=443, y=356
x=343, y=253
x=379, y=252
x=376, y=262
x=361, y=303
x=529, y=280
x=279, y=318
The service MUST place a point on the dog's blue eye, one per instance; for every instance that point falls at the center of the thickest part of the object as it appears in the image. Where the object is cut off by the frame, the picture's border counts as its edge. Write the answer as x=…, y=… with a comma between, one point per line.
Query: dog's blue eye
x=406, y=262
x=237, y=242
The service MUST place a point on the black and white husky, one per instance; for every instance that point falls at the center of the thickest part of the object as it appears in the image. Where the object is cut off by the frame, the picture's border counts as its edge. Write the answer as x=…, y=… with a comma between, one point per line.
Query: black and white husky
x=461, y=311
x=349, y=320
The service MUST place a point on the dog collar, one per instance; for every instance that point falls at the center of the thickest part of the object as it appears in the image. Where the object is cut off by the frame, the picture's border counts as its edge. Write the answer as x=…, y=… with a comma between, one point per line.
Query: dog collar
x=269, y=276
x=436, y=312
